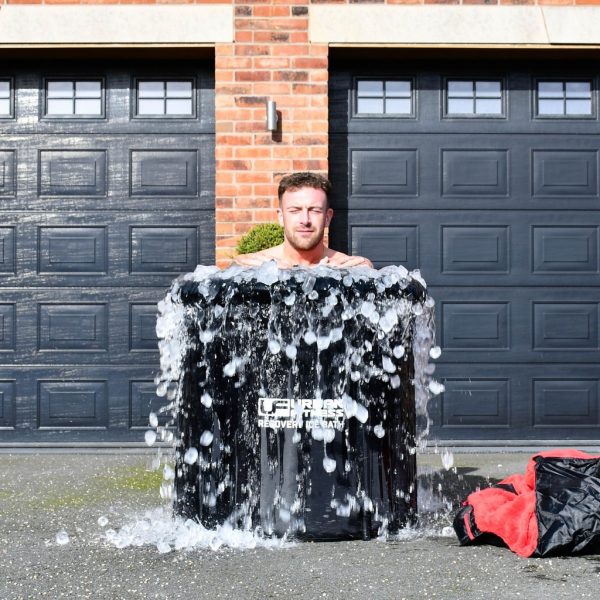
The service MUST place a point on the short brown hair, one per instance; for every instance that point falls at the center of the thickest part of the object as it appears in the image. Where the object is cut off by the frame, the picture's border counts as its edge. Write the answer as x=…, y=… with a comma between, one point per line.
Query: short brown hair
x=295, y=181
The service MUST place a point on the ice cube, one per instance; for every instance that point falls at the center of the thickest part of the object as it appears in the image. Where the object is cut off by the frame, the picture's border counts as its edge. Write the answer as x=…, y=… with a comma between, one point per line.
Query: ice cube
x=290, y=299
x=274, y=346
x=398, y=351
x=416, y=275
x=329, y=464
x=230, y=369
x=362, y=414
x=379, y=431
x=328, y=435
x=336, y=334
x=268, y=273
x=190, y=456
x=389, y=320
x=309, y=284
x=395, y=381
x=206, y=336
x=447, y=459
x=435, y=387
x=310, y=337
x=318, y=434
x=150, y=437
x=206, y=438
x=163, y=547
x=323, y=342
x=388, y=365
x=62, y=538
x=284, y=515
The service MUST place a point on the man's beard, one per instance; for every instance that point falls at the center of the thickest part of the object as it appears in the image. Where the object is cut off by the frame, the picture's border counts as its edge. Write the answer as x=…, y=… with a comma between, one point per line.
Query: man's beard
x=304, y=243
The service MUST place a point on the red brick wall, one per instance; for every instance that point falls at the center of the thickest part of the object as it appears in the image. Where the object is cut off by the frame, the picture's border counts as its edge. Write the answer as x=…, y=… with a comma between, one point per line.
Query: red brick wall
x=271, y=59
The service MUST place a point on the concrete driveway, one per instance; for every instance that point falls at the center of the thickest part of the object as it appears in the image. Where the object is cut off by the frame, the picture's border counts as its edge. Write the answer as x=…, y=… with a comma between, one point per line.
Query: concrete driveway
x=42, y=495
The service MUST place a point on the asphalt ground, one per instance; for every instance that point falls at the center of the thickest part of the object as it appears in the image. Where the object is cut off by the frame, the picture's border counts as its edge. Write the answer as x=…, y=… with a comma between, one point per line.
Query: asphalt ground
x=44, y=494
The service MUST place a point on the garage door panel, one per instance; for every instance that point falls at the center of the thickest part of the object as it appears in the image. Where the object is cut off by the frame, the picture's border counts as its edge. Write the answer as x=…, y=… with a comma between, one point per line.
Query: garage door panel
x=8, y=174
x=512, y=324
x=387, y=244
x=468, y=171
x=467, y=249
x=73, y=173
x=565, y=173
x=103, y=249
x=484, y=402
x=8, y=255
x=7, y=403
x=69, y=173
x=474, y=173
x=393, y=172
x=92, y=326
x=87, y=404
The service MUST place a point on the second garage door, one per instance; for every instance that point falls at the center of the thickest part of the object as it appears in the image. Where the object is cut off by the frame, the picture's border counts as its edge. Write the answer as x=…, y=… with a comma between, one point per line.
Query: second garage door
x=484, y=176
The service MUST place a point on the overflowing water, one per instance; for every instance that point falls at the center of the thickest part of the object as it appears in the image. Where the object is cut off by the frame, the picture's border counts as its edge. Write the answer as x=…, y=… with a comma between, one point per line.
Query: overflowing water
x=309, y=359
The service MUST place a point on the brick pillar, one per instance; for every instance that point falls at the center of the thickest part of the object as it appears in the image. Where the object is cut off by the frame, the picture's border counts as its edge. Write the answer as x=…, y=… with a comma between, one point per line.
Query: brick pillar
x=271, y=59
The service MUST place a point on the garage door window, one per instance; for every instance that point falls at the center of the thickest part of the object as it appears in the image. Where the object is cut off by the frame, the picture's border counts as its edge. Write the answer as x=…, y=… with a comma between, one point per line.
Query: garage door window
x=564, y=99
x=5, y=99
x=384, y=97
x=74, y=98
x=474, y=98
x=162, y=98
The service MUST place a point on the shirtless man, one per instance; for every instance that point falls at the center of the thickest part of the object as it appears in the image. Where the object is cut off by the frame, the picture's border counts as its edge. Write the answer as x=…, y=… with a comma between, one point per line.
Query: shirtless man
x=304, y=213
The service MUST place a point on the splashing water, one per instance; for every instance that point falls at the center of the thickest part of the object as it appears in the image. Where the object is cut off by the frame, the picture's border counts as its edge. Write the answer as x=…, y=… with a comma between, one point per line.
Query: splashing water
x=366, y=337
x=159, y=528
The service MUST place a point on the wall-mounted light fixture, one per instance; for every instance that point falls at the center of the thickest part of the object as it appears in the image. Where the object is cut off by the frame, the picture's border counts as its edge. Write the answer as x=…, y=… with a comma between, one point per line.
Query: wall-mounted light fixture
x=272, y=117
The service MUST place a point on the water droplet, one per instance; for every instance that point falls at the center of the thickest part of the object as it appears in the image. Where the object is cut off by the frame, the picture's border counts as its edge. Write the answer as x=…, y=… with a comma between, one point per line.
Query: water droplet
x=153, y=419
x=435, y=387
x=379, y=431
x=447, y=459
x=329, y=464
x=310, y=337
x=398, y=351
x=150, y=437
x=102, y=521
x=191, y=456
x=435, y=352
x=206, y=438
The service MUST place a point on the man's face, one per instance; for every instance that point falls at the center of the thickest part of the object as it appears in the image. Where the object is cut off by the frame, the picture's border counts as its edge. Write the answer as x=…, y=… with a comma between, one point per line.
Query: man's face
x=303, y=213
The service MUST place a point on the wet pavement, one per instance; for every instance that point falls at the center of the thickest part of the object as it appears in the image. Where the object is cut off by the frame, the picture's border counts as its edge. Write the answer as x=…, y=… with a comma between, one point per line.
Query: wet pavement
x=44, y=494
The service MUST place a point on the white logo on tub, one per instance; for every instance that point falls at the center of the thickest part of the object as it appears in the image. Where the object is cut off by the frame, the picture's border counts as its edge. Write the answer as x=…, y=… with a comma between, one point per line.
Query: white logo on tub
x=294, y=413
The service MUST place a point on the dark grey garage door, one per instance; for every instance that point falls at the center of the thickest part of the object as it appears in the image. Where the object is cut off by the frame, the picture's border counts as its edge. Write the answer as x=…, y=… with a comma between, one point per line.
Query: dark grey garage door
x=106, y=194
x=484, y=176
